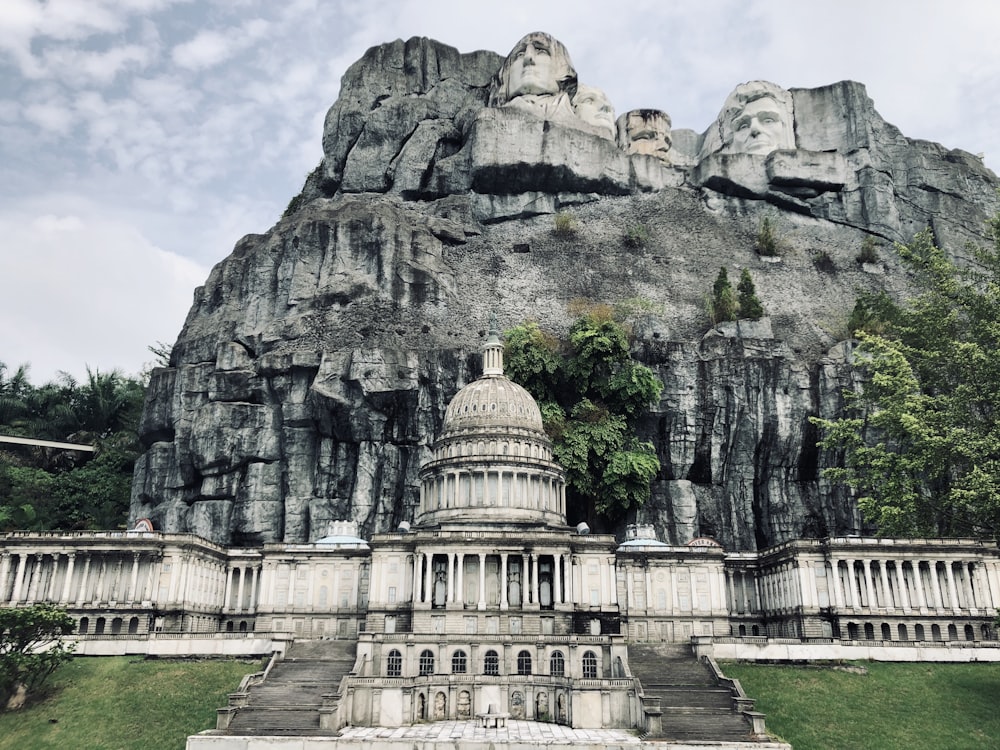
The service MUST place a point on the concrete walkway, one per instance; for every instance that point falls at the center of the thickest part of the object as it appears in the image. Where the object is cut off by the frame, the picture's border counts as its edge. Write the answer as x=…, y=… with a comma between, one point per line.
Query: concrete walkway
x=465, y=735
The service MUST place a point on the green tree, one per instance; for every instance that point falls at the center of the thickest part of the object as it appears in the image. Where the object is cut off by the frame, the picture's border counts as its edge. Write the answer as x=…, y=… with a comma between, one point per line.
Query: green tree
x=31, y=646
x=748, y=302
x=591, y=394
x=722, y=306
x=921, y=440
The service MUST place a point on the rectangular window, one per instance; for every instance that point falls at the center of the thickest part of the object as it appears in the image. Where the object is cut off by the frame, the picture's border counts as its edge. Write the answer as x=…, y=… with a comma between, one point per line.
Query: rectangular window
x=392, y=595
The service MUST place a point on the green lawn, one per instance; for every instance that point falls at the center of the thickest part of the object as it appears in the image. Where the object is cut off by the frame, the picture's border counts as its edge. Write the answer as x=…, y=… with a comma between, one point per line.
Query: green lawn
x=124, y=703
x=912, y=706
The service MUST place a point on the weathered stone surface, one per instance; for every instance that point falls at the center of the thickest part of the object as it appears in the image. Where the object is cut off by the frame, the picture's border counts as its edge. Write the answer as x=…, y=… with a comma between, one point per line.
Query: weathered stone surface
x=317, y=360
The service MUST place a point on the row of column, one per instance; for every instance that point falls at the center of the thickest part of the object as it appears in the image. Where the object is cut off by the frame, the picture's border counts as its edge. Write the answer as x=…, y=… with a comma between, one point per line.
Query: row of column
x=460, y=489
x=970, y=589
x=236, y=581
x=676, y=596
x=76, y=578
x=454, y=583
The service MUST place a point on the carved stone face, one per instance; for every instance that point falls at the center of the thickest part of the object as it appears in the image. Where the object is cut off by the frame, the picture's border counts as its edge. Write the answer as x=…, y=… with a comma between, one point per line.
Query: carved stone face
x=645, y=131
x=592, y=106
x=759, y=128
x=532, y=68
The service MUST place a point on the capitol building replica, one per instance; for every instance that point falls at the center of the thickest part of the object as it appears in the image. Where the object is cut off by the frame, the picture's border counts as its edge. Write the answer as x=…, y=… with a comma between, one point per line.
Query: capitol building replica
x=490, y=605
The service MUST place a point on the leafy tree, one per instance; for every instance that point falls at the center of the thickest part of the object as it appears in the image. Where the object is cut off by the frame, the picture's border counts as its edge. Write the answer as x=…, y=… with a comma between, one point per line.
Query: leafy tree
x=31, y=646
x=921, y=439
x=591, y=394
x=749, y=304
x=723, y=305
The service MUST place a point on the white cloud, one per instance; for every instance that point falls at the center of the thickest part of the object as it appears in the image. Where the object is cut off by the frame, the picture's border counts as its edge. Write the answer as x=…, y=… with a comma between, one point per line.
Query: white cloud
x=86, y=289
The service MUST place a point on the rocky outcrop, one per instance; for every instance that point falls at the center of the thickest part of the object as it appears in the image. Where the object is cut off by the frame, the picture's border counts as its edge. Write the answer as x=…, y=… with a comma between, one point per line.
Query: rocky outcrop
x=317, y=360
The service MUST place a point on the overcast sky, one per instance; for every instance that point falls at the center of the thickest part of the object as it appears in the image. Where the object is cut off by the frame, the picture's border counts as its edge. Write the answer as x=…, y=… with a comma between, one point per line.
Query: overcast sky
x=139, y=139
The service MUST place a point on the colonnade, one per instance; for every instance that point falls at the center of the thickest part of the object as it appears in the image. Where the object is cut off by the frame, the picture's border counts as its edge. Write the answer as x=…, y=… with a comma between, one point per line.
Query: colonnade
x=516, y=579
x=241, y=596
x=78, y=578
x=494, y=488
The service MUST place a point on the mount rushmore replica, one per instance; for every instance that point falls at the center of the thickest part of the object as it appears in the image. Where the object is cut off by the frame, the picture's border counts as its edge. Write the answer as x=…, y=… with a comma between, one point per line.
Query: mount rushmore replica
x=316, y=363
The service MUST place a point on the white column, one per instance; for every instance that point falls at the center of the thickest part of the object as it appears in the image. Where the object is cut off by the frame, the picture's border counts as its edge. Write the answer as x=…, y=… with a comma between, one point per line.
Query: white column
x=254, y=575
x=838, y=598
x=228, y=596
x=240, y=589
x=4, y=572
x=503, y=581
x=81, y=598
x=134, y=581
x=449, y=590
x=952, y=590
x=936, y=586
x=482, y=581
x=807, y=586
x=290, y=599
x=534, y=578
x=869, y=588
x=460, y=579
x=884, y=575
x=67, y=583
x=429, y=576
x=904, y=595
x=22, y=563
x=558, y=561
x=851, y=585
x=417, y=559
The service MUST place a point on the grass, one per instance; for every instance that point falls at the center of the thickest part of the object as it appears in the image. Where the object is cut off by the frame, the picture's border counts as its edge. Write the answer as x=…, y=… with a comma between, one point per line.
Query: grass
x=125, y=703
x=916, y=706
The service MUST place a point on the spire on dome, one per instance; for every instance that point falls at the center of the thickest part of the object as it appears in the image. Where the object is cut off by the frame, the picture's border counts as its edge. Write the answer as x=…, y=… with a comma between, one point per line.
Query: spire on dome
x=493, y=351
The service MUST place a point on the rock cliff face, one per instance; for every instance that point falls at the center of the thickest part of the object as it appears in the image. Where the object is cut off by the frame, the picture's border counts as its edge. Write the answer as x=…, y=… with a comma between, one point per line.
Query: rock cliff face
x=315, y=365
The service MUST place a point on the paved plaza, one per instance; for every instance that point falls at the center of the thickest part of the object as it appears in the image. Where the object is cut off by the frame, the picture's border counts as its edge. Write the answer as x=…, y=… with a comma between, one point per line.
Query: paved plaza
x=526, y=732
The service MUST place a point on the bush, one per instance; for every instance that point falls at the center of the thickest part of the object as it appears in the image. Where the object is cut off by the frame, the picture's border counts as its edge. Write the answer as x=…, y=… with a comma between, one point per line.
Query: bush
x=768, y=243
x=824, y=262
x=564, y=224
x=750, y=306
x=636, y=236
x=869, y=250
x=722, y=306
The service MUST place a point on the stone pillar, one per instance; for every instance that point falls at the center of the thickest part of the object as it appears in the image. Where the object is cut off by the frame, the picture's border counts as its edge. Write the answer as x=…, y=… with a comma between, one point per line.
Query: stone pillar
x=482, y=581
x=254, y=575
x=34, y=579
x=851, y=585
x=503, y=581
x=836, y=594
x=81, y=598
x=918, y=586
x=50, y=594
x=460, y=579
x=68, y=581
x=534, y=578
x=936, y=586
x=952, y=590
x=449, y=589
x=884, y=575
x=904, y=595
x=807, y=586
x=558, y=562
x=240, y=589
x=525, y=581
x=417, y=558
x=134, y=580
x=4, y=572
x=429, y=577
x=22, y=562
x=869, y=587
x=292, y=571
x=965, y=574
x=228, y=596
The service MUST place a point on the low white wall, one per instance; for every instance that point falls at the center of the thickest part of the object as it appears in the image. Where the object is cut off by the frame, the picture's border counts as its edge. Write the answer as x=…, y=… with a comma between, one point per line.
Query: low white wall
x=178, y=646
x=778, y=649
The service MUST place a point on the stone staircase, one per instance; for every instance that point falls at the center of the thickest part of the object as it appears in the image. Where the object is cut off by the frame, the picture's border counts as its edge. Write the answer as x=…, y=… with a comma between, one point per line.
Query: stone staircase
x=288, y=701
x=695, y=707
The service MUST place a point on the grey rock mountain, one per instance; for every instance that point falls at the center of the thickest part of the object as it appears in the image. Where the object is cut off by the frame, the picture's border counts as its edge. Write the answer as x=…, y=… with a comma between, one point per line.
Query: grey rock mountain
x=316, y=362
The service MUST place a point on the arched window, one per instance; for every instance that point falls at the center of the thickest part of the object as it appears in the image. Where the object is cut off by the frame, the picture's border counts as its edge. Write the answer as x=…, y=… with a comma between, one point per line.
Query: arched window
x=394, y=664
x=84, y=625
x=523, y=662
x=589, y=666
x=426, y=662
x=557, y=664
x=458, y=662
x=491, y=663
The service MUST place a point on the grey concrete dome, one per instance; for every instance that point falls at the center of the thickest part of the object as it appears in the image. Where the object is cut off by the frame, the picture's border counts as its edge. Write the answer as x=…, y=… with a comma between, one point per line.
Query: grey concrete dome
x=491, y=404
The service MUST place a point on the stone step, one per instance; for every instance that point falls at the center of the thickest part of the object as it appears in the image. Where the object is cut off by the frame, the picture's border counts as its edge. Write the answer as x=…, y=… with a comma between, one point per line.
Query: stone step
x=688, y=698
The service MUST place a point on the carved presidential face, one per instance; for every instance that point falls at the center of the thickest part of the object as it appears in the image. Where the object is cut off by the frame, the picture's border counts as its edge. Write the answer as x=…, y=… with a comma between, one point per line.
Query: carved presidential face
x=592, y=106
x=533, y=69
x=759, y=128
x=646, y=131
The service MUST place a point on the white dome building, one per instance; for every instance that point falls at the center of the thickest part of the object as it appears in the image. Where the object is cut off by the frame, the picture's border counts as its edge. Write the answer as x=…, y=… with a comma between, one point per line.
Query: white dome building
x=492, y=461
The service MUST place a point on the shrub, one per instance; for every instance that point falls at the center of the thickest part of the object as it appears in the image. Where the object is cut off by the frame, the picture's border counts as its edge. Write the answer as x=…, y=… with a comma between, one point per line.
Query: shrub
x=768, y=243
x=824, y=262
x=869, y=250
x=636, y=236
x=722, y=306
x=750, y=306
x=564, y=224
